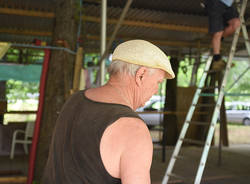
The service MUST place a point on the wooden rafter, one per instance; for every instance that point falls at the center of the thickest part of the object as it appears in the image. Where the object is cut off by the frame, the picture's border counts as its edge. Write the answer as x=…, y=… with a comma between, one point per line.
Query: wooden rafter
x=173, y=27
x=160, y=42
x=25, y=32
x=95, y=37
x=31, y=13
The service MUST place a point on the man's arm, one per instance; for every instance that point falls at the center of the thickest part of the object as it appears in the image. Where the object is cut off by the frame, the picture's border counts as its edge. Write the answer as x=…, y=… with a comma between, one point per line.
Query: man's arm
x=136, y=157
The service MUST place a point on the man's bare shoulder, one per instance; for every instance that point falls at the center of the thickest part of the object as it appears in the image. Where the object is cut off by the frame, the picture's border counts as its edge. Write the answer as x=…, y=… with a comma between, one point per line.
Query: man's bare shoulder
x=133, y=126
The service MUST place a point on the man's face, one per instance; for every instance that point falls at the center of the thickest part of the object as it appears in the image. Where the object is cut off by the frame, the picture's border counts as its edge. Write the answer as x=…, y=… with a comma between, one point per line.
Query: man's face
x=150, y=84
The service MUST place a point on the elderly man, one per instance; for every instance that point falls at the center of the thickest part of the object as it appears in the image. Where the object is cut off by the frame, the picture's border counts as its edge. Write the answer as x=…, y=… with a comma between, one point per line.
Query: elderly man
x=98, y=138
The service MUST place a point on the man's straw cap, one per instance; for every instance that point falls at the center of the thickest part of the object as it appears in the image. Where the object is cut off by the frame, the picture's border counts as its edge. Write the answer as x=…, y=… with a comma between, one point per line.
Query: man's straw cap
x=141, y=52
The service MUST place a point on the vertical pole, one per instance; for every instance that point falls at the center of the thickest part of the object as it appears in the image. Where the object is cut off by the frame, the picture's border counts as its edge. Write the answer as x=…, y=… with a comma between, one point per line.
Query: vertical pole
x=112, y=38
x=103, y=38
x=32, y=156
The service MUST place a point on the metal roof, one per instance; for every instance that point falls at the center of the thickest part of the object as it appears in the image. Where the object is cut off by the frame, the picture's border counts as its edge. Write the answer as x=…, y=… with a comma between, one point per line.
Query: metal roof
x=171, y=24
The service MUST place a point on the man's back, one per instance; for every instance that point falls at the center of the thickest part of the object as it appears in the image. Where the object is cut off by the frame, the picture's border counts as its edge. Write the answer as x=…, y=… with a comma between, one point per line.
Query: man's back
x=75, y=148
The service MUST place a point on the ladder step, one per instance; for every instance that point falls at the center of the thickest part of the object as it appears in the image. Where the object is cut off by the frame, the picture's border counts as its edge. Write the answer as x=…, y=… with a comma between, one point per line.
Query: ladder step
x=179, y=157
x=199, y=123
x=194, y=141
x=204, y=105
x=176, y=176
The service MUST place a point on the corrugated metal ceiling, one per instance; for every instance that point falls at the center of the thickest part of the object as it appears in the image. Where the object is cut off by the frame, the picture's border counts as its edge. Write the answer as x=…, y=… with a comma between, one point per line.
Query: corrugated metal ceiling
x=150, y=19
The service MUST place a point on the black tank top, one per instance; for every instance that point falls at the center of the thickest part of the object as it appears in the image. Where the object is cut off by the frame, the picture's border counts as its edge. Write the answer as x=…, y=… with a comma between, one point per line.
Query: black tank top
x=74, y=156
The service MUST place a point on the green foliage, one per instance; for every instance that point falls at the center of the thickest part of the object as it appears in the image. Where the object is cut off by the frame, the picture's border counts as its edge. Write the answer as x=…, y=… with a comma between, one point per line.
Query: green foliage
x=24, y=56
x=26, y=90
x=241, y=87
x=18, y=90
x=184, y=73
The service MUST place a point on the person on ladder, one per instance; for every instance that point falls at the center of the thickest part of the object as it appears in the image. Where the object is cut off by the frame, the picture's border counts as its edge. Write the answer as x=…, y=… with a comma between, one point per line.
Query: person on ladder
x=223, y=22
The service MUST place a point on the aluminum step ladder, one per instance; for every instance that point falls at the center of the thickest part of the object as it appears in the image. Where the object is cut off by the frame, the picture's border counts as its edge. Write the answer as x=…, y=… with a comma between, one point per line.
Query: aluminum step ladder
x=216, y=110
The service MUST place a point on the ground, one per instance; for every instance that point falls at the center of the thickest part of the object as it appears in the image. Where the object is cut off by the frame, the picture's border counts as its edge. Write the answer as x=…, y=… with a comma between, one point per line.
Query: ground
x=234, y=168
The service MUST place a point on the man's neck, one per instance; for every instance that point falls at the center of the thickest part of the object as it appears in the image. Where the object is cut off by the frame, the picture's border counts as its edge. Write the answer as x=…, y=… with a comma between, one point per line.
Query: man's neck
x=124, y=89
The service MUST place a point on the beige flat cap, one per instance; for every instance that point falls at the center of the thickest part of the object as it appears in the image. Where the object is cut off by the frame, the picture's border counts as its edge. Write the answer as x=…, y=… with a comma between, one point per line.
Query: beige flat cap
x=141, y=52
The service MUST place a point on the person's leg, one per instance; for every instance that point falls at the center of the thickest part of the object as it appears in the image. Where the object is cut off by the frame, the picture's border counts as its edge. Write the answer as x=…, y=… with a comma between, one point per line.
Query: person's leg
x=231, y=21
x=216, y=42
x=233, y=24
x=215, y=10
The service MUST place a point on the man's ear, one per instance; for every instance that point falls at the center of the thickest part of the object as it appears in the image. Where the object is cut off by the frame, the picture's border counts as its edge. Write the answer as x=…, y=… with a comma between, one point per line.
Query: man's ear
x=140, y=75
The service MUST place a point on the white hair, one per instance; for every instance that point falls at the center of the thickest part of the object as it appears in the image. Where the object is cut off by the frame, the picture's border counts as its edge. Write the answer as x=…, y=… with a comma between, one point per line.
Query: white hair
x=124, y=67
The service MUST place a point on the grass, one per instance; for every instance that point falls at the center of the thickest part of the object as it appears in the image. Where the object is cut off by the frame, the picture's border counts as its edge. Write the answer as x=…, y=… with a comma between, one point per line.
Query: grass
x=28, y=105
x=237, y=133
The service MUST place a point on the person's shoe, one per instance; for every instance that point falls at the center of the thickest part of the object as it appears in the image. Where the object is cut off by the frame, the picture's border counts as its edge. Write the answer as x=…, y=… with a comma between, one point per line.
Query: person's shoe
x=219, y=65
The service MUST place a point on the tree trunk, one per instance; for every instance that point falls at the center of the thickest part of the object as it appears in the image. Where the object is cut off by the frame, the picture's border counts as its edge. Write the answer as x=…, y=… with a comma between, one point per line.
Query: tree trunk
x=59, y=79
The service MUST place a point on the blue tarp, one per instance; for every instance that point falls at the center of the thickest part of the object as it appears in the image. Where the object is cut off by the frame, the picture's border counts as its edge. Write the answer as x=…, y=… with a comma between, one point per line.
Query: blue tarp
x=28, y=73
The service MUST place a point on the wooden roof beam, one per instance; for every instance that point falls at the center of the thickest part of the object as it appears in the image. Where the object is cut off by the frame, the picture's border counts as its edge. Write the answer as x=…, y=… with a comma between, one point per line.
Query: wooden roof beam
x=30, y=13
x=93, y=37
x=173, y=27
x=192, y=44
x=25, y=32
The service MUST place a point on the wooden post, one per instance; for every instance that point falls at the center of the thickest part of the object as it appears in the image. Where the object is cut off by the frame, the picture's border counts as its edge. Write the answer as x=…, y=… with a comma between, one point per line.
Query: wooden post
x=195, y=68
x=77, y=70
x=170, y=132
x=223, y=124
x=3, y=101
x=223, y=119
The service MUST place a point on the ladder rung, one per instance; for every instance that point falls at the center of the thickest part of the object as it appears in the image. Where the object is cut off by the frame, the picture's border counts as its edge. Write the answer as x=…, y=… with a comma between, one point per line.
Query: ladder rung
x=199, y=123
x=204, y=105
x=179, y=157
x=176, y=176
x=194, y=141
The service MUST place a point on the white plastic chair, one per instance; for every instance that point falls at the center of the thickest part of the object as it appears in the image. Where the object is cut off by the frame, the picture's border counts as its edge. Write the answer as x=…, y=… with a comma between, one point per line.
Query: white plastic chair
x=28, y=134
